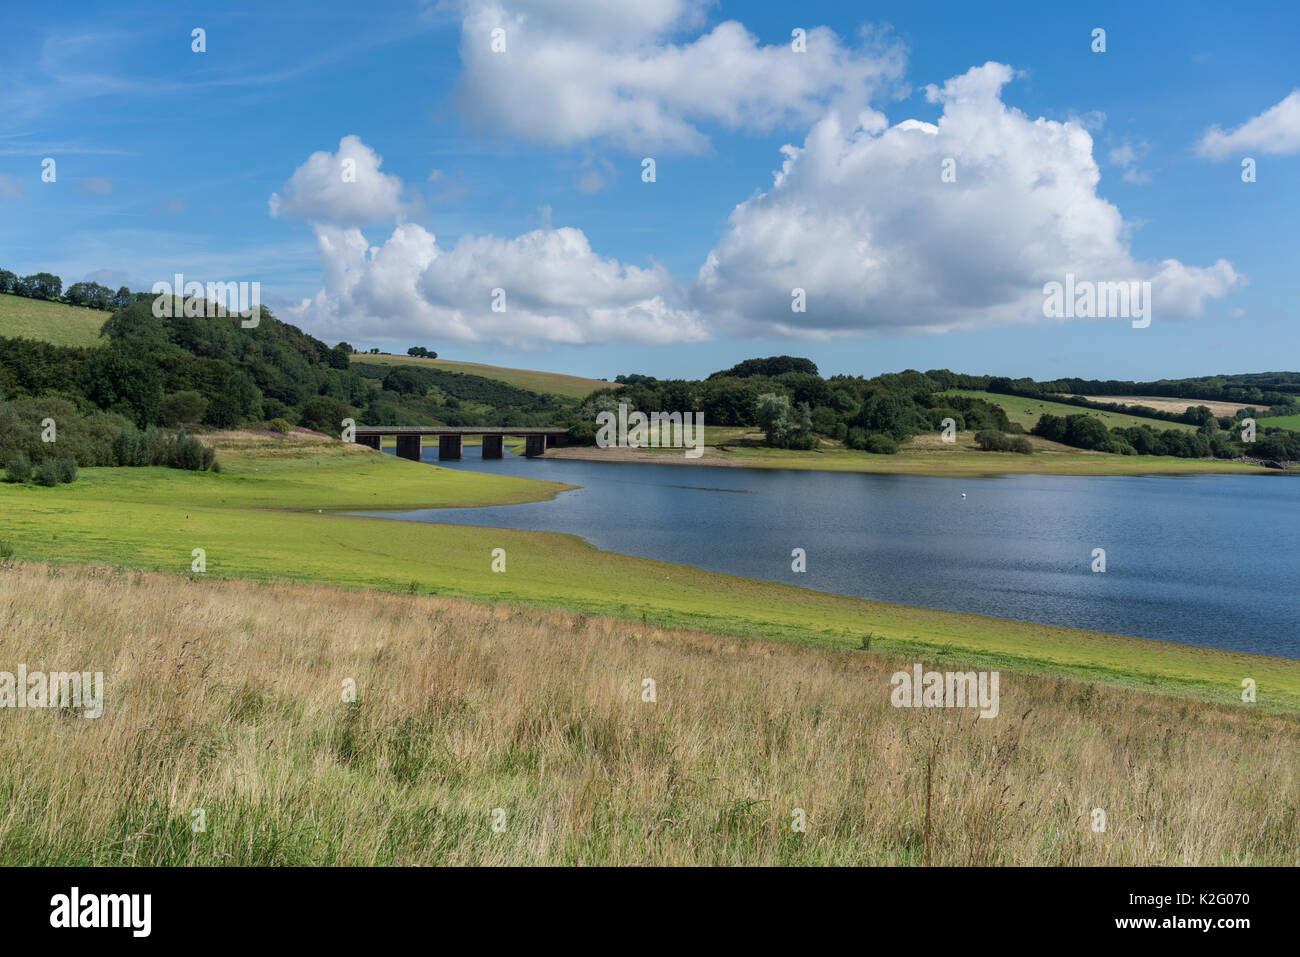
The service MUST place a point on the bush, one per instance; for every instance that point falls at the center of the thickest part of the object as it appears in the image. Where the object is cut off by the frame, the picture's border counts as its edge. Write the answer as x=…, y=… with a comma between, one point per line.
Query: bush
x=6, y=551
x=47, y=473
x=189, y=453
x=324, y=414
x=279, y=425
x=803, y=441
x=991, y=440
x=878, y=443
x=19, y=470
x=66, y=470
x=130, y=448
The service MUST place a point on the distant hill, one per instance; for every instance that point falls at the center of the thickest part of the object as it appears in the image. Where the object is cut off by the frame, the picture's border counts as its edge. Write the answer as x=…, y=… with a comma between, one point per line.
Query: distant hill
x=1027, y=411
x=63, y=325
x=54, y=322
x=545, y=383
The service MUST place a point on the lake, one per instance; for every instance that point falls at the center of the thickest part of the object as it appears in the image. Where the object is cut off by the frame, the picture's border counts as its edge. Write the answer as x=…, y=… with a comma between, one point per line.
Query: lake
x=1208, y=560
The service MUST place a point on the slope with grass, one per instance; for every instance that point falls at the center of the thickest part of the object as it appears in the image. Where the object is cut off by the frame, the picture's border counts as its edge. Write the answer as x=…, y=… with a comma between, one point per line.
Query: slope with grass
x=228, y=697
x=1166, y=404
x=259, y=519
x=1291, y=422
x=1027, y=411
x=552, y=383
x=53, y=322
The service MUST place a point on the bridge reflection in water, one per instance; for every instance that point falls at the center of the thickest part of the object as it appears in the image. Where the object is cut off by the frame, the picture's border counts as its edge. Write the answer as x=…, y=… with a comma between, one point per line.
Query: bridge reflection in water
x=410, y=439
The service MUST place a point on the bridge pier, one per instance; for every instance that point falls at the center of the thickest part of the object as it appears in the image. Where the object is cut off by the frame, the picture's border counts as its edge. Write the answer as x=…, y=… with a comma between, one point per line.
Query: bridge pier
x=409, y=447
x=449, y=447
x=375, y=442
x=534, y=445
x=493, y=446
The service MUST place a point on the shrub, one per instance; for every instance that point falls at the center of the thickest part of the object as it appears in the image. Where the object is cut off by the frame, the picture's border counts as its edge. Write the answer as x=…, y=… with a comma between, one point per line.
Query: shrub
x=66, y=470
x=991, y=440
x=19, y=470
x=324, y=414
x=6, y=551
x=47, y=473
x=130, y=448
x=279, y=425
x=878, y=443
x=189, y=453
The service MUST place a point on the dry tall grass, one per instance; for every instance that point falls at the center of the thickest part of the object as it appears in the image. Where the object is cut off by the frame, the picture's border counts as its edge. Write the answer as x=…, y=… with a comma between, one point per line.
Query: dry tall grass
x=227, y=696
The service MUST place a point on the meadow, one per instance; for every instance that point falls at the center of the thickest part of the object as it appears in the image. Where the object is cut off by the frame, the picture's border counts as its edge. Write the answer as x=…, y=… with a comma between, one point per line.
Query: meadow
x=266, y=516
x=552, y=383
x=505, y=735
x=1291, y=422
x=54, y=322
x=1027, y=411
x=1167, y=404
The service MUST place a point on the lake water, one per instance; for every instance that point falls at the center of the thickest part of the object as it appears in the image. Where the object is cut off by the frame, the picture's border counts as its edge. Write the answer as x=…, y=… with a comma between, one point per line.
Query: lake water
x=1204, y=560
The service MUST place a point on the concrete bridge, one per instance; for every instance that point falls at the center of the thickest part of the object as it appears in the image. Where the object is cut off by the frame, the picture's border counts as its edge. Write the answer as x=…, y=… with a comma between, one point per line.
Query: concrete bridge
x=410, y=439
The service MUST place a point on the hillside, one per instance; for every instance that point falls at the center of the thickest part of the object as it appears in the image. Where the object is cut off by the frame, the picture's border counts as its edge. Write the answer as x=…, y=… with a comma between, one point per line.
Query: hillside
x=1027, y=411
x=54, y=322
x=545, y=383
x=65, y=325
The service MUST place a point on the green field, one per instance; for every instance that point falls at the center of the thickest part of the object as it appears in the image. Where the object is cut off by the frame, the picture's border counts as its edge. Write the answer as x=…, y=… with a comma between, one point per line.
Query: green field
x=1291, y=422
x=546, y=383
x=56, y=322
x=1027, y=411
x=262, y=518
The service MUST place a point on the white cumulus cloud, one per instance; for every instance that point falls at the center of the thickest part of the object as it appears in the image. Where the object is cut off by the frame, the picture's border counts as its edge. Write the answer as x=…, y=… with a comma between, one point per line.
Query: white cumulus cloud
x=1276, y=130
x=343, y=188
x=579, y=70
x=553, y=289
x=862, y=220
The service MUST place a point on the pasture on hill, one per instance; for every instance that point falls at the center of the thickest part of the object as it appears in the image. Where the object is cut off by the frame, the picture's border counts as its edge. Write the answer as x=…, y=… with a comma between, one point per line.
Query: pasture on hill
x=1028, y=411
x=53, y=322
x=553, y=383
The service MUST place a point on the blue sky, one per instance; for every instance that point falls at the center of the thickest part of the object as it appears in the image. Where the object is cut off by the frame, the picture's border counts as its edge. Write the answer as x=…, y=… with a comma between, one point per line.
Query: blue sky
x=521, y=169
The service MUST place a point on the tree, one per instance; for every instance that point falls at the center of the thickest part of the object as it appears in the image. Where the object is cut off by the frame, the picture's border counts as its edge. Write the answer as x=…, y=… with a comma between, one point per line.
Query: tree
x=181, y=408
x=122, y=383
x=44, y=285
x=223, y=411
x=421, y=352
x=887, y=413
x=771, y=366
x=7, y=280
x=1087, y=432
x=772, y=413
x=324, y=414
x=405, y=381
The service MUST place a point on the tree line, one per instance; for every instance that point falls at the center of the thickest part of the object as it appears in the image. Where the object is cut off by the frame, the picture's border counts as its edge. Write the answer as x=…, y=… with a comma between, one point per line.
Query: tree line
x=795, y=407
x=47, y=286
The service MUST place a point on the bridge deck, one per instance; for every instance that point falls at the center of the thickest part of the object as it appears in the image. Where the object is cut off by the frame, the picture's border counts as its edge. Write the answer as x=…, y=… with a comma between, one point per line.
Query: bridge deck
x=456, y=430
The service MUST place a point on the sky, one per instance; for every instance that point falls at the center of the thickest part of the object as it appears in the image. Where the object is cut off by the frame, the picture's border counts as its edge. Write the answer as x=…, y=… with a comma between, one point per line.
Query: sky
x=667, y=187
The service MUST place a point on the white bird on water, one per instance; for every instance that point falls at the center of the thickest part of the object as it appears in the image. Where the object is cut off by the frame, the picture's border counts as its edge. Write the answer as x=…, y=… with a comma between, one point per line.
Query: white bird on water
x=963, y=494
